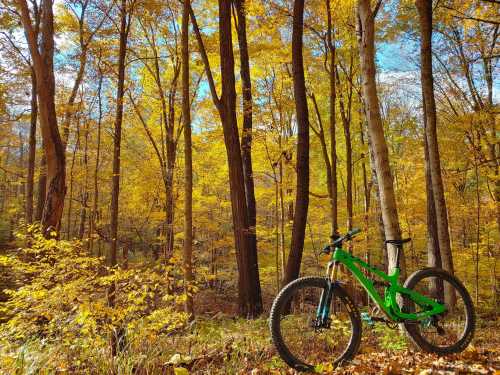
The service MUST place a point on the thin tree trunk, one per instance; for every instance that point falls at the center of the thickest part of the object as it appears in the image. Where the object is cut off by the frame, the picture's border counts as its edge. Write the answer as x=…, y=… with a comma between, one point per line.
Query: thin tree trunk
x=425, y=17
x=367, y=187
x=282, y=212
x=478, y=229
x=333, y=139
x=366, y=35
x=71, y=172
x=302, y=192
x=85, y=193
x=188, y=163
x=433, y=253
x=93, y=216
x=30, y=180
x=115, y=186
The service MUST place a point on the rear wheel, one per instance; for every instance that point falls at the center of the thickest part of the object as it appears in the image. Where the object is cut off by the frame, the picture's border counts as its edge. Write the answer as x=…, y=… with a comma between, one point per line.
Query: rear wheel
x=303, y=343
x=445, y=333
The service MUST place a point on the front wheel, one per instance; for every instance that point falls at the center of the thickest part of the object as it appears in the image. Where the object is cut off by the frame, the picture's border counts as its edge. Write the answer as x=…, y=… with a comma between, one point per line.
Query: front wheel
x=446, y=333
x=303, y=342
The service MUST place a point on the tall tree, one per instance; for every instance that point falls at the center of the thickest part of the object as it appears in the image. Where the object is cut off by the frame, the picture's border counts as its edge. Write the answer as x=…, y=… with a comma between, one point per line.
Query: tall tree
x=366, y=40
x=188, y=161
x=42, y=55
x=125, y=22
x=249, y=292
x=125, y=10
x=332, y=172
x=425, y=19
x=246, y=138
x=302, y=113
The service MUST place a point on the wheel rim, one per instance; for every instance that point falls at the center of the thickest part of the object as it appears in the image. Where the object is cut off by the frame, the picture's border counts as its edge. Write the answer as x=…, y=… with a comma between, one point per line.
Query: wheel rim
x=447, y=329
x=308, y=343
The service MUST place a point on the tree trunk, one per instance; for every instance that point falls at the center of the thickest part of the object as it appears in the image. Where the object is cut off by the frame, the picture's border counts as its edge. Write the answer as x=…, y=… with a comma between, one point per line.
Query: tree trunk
x=85, y=193
x=188, y=163
x=42, y=188
x=425, y=17
x=250, y=300
x=366, y=39
x=348, y=166
x=302, y=192
x=115, y=185
x=333, y=138
x=93, y=216
x=30, y=180
x=246, y=138
x=71, y=173
x=433, y=253
x=42, y=56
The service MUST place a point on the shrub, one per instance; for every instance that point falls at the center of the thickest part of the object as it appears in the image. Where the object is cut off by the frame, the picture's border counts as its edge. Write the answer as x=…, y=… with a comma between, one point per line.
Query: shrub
x=63, y=301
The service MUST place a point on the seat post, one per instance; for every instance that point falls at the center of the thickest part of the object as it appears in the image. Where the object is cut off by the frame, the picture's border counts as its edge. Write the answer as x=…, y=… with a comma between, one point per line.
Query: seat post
x=398, y=255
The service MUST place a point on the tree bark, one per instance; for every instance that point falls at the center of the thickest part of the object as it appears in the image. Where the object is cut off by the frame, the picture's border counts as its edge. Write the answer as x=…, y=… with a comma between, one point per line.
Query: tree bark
x=433, y=253
x=42, y=56
x=425, y=18
x=93, y=215
x=302, y=190
x=30, y=180
x=250, y=300
x=246, y=138
x=71, y=180
x=115, y=186
x=42, y=187
x=188, y=163
x=366, y=40
x=346, y=122
x=84, y=193
x=249, y=292
x=333, y=139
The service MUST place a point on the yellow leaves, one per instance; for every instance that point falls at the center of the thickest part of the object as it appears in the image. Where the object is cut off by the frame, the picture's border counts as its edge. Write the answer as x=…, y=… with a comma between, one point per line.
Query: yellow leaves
x=181, y=371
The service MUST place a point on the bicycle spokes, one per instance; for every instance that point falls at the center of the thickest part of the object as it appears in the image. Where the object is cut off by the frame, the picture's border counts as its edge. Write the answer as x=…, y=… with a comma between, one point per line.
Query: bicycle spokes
x=446, y=328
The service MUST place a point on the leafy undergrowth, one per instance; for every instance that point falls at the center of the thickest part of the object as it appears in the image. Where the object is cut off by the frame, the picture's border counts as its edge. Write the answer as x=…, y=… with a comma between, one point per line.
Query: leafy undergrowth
x=221, y=345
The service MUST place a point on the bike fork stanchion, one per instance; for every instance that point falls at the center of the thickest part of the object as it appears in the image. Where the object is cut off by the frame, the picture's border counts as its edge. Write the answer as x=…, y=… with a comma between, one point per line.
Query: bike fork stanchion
x=323, y=311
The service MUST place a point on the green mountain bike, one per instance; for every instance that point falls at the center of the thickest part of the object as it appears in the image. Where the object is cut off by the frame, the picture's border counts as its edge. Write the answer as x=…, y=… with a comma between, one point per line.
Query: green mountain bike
x=314, y=320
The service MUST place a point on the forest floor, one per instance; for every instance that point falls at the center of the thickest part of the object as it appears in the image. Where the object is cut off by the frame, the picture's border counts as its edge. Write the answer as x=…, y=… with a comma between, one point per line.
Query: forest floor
x=220, y=344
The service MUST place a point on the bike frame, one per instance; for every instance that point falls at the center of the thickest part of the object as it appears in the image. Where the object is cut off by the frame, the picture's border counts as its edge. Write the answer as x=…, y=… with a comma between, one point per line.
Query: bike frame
x=388, y=304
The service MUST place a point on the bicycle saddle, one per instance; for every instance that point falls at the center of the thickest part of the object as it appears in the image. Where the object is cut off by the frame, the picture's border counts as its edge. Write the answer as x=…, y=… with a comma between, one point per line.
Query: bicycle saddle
x=398, y=242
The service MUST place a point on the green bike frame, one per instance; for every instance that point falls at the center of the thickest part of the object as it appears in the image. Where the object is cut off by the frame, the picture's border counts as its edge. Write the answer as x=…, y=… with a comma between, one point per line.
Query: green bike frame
x=388, y=304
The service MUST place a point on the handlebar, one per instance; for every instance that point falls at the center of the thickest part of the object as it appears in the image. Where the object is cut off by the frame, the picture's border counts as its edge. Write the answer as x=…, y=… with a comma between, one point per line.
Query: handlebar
x=338, y=240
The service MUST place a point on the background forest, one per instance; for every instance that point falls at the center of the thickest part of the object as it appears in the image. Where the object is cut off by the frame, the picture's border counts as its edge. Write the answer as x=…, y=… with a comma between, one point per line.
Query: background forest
x=166, y=167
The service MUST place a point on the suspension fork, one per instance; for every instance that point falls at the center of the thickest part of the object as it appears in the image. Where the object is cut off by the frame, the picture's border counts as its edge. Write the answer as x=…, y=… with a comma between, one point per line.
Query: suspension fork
x=323, y=311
